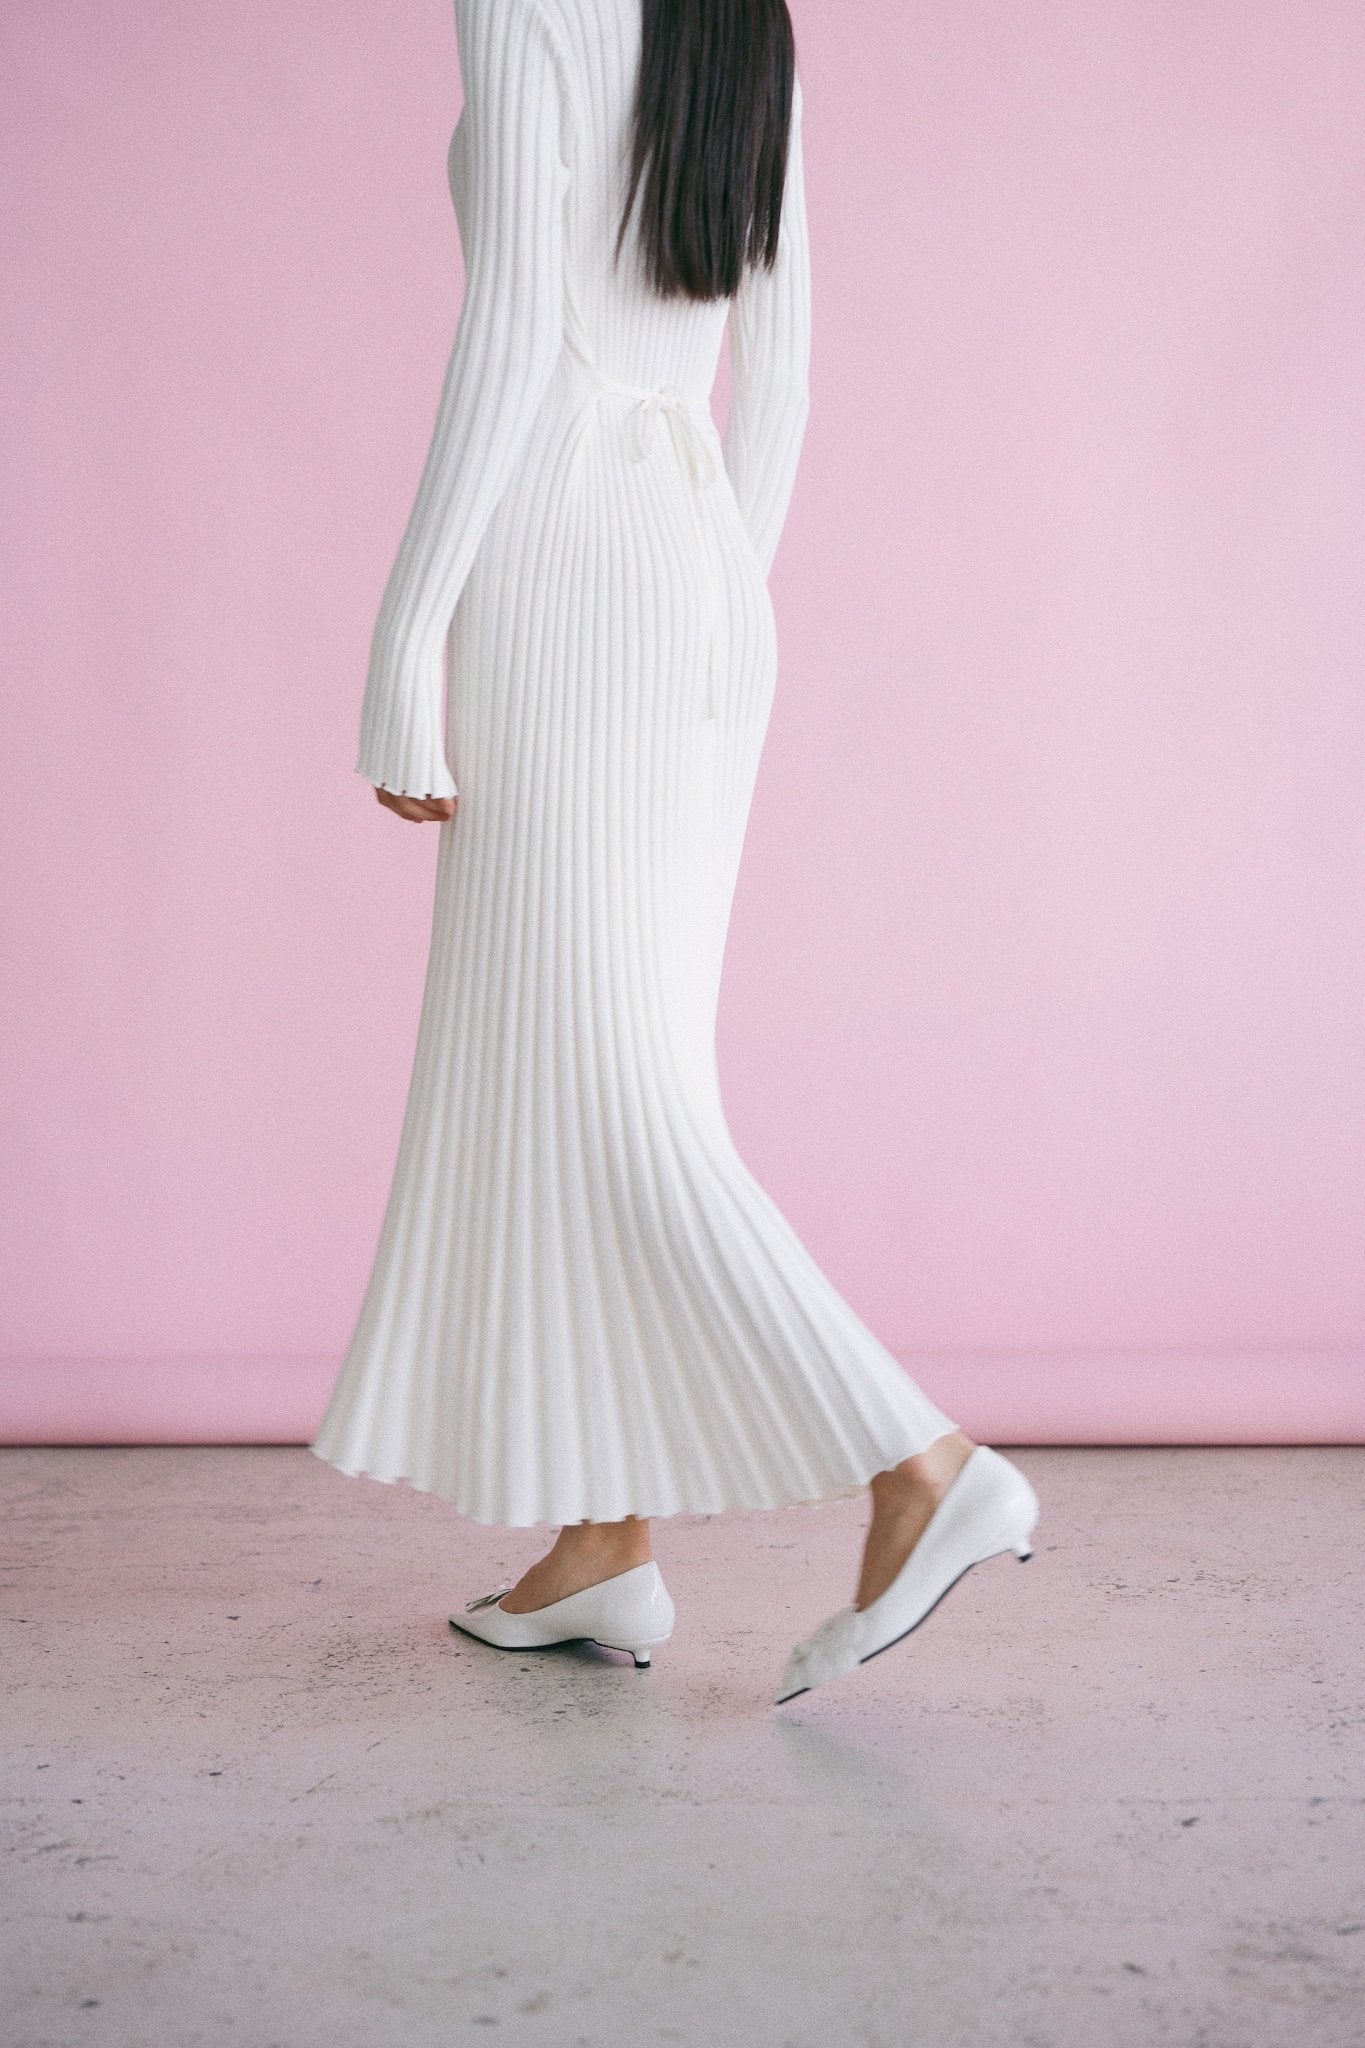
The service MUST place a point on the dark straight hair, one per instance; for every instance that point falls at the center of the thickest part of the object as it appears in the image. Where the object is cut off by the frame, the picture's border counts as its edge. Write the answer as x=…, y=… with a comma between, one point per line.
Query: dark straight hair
x=709, y=141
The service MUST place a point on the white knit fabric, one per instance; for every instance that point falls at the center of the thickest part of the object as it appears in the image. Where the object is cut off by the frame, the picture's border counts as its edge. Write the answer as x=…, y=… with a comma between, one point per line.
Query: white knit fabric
x=582, y=1304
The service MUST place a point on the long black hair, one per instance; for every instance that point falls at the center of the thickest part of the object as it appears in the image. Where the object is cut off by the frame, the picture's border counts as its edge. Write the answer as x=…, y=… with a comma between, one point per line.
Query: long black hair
x=709, y=141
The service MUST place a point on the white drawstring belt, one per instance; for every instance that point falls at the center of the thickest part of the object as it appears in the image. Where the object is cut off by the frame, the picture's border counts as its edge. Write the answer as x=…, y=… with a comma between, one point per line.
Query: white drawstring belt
x=681, y=413
x=692, y=429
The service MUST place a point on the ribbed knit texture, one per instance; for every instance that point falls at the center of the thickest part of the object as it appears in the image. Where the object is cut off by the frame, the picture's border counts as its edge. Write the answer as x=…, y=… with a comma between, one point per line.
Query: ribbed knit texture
x=582, y=1304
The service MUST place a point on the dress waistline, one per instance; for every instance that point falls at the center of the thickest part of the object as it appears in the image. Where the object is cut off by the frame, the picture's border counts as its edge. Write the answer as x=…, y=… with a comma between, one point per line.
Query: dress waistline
x=690, y=420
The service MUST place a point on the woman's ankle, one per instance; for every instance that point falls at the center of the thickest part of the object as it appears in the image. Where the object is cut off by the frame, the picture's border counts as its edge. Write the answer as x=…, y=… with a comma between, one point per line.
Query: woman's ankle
x=928, y=1474
x=620, y=1545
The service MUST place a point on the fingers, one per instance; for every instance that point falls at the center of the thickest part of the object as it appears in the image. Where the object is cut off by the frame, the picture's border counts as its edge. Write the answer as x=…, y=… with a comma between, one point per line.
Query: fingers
x=420, y=810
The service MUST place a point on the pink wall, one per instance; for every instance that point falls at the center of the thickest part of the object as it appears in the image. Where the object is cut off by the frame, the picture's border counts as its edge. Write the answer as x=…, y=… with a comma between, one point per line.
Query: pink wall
x=1045, y=1005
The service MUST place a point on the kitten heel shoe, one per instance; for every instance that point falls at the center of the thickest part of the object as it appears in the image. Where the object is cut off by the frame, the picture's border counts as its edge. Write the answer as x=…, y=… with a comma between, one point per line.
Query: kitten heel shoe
x=632, y=1611
x=990, y=1507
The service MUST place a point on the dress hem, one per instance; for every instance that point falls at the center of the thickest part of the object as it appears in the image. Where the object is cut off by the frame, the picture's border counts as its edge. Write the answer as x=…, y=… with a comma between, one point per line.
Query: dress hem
x=841, y=1491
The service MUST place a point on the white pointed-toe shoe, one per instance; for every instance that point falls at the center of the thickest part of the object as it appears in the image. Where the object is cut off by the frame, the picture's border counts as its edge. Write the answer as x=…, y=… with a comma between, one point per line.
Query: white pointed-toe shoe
x=632, y=1612
x=990, y=1507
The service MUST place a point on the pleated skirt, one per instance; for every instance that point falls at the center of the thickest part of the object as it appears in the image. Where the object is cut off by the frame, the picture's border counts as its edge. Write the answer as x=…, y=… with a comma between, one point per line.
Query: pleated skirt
x=583, y=1305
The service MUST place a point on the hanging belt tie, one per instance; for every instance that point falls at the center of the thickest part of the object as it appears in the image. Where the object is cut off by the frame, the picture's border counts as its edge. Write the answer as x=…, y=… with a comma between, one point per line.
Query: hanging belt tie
x=689, y=438
x=692, y=429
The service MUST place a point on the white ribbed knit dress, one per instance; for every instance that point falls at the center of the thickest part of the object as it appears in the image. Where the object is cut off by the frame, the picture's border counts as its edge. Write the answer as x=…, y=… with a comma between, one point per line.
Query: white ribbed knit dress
x=583, y=1305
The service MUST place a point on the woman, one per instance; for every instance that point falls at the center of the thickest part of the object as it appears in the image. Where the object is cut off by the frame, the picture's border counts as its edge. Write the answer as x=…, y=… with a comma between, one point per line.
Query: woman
x=584, y=1311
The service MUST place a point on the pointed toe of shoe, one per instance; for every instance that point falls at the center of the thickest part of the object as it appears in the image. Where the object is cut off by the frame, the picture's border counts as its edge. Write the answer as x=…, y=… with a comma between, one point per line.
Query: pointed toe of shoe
x=831, y=1652
x=489, y=1622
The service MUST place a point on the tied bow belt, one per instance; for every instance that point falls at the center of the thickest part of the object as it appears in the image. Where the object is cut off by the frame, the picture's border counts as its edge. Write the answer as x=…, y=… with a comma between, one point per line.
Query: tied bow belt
x=693, y=432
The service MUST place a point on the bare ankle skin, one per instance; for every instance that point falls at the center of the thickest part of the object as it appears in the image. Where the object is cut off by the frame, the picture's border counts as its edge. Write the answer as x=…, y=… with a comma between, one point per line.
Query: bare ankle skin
x=582, y=1555
x=903, y=1499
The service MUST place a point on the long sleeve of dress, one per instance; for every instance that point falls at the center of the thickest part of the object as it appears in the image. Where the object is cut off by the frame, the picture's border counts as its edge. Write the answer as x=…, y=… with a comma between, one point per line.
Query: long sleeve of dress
x=506, y=344
x=769, y=329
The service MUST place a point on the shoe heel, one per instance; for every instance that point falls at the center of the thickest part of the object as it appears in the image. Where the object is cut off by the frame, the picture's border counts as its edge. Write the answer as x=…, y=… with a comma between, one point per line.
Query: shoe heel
x=1023, y=1550
x=640, y=1652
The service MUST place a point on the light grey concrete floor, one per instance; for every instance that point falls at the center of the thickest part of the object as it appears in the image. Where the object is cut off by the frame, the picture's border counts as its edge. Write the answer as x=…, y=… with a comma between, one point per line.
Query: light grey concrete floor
x=259, y=1794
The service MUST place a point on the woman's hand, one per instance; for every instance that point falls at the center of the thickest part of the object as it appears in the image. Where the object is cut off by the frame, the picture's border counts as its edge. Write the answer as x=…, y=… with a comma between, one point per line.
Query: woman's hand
x=420, y=809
